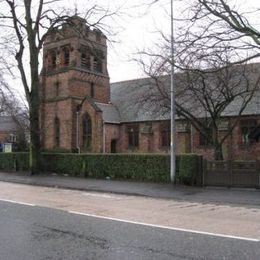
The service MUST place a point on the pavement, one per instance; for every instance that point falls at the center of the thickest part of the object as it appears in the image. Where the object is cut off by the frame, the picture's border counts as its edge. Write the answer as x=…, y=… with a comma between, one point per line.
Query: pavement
x=246, y=197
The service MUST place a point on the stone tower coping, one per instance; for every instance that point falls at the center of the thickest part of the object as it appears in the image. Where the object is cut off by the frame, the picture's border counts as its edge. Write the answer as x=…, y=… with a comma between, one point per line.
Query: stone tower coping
x=86, y=98
x=72, y=67
x=76, y=26
x=67, y=40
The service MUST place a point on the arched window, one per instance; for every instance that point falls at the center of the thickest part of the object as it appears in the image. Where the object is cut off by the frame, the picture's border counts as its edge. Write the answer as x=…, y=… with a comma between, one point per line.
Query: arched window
x=57, y=132
x=66, y=56
x=92, y=90
x=133, y=135
x=98, y=60
x=85, y=53
x=85, y=58
x=87, y=131
x=165, y=134
x=53, y=60
x=57, y=88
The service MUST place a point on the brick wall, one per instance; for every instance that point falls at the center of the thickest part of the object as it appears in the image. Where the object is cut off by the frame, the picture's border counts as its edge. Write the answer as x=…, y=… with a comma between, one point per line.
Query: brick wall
x=232, y=147
x=112, y=133
x=183, y=143
x=76, y=83
x=187, y=142
x=61, y=109
x=149, y=140
x=244, y=152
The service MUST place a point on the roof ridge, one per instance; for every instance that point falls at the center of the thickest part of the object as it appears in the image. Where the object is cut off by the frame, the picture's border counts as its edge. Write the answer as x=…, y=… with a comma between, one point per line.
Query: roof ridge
x=130, y=80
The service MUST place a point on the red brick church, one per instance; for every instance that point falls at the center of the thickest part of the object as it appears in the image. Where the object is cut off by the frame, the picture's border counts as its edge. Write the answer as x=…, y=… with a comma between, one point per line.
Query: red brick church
x=81, y=111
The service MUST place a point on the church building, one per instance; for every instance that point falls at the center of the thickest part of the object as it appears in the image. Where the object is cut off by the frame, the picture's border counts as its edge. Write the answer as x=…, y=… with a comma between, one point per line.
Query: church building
x=82, y=112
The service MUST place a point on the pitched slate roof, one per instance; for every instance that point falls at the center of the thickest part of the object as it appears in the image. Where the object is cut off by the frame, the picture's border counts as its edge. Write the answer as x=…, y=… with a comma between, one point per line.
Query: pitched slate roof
x=134, y=105
x=110, y=113
x=128, y=97
x=253, y=107
x=7, y=124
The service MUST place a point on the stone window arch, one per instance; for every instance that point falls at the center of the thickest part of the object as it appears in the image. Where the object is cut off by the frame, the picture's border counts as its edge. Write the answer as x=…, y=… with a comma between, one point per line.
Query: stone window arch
x=87, y=131
x=56, y=132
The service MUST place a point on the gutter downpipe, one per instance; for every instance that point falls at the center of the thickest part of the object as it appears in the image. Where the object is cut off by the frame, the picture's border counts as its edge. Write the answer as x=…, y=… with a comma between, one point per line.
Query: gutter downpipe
x=104, y=137
x=77, y=144
x=191, y=138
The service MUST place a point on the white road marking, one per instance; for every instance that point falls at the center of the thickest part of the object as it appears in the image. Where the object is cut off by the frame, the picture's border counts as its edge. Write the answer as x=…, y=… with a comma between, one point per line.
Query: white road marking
x=99, y=195
x=18, y=202
x=167, y=227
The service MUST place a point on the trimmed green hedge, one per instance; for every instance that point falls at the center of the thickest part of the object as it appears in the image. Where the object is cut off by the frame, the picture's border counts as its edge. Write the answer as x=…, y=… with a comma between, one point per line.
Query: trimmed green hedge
x=18, y=161
x=118, y=166
x=143, y=167
x=189, y=169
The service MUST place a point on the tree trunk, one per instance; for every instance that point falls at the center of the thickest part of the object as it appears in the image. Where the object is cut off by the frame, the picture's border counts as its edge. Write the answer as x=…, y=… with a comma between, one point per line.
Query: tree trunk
x=218, y=154
x=35, y=138
x=35, y=145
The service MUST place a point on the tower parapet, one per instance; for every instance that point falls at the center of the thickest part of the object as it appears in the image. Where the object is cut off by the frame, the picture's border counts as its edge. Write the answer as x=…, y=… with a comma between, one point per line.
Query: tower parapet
x=74, y=44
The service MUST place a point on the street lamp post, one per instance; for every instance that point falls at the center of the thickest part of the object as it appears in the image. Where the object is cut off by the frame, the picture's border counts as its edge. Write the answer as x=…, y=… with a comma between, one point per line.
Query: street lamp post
x=173, y=109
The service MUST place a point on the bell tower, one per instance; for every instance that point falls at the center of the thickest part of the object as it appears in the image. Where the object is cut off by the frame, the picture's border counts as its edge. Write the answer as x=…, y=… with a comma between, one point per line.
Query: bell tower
x=74, y=69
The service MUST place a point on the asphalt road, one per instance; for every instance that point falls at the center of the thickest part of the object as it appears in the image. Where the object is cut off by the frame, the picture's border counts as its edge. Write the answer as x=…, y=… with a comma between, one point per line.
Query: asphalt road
x=32, y=232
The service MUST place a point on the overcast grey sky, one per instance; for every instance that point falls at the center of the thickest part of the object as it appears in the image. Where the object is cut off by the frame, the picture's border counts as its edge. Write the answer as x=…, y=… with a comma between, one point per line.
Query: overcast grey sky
x=137, y=28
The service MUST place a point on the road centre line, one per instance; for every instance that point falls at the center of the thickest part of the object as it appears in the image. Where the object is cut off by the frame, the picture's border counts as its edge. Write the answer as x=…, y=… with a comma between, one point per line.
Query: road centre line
x=101, y=195
x=145, y=224
x=167, y=227
x=18, y=202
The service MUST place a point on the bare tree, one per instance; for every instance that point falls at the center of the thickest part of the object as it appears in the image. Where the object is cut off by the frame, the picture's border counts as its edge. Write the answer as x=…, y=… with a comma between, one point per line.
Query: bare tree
x=211, y=38
x=205, y=97
x=13, y=106
x=27, y=23
x=214, y=24
x=234, y=20
x=208, y=85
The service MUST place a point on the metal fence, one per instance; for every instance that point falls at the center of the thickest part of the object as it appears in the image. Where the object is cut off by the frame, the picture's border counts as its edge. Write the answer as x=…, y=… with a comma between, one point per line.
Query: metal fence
x=232, y=173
